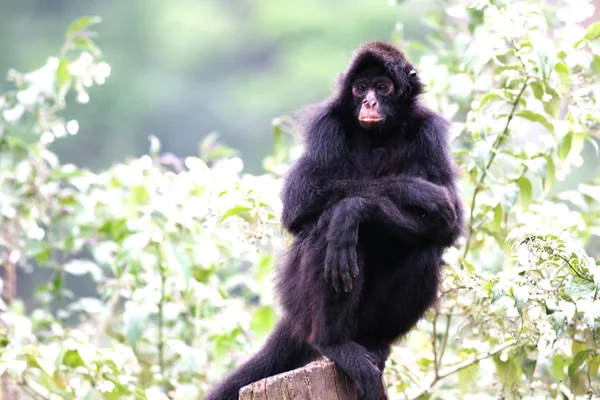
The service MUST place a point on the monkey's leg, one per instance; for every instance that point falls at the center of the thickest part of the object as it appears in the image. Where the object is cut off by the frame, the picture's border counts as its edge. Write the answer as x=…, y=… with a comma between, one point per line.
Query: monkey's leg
x=380, y=354
x=334, y=334
x=359, y=364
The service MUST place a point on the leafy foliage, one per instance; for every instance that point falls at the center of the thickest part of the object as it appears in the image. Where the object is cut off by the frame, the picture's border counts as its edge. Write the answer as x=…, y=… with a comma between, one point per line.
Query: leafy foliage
x=182, y=251
x=518, y=313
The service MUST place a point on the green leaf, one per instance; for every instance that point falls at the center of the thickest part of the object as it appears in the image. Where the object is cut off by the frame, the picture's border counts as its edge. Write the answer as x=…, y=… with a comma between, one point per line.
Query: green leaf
x=558, y=367
x=236, y=210
x=134, y=328
x=211, y=149
x=264, y=268
x=498, y=217
x=477, y=55
x=80, y=24
x=550, y=177
x=467, y=377
x=564, y=76
x=63, y=76
x=467, y=265
x=565, y=146
x=544, y=65
x=578, y=361
x=501, y=68
x=509, y=372
x=139, y=195
x=548, y=96
x=72, y=359
x=184, y=262
x=497, y=293
x=592, y=32
x=82, y=267
x=535, y=117
x=136, y=242
x=263, y=321
x=596, y=64
x=528, y=366
x=488, y=97
x=116, y=229
x=85, y=43
x=521, y=296
x=525, y=191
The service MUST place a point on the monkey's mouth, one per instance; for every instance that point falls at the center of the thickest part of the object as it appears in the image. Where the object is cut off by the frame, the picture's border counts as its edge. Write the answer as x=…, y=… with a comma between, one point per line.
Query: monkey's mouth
x=371, y=120
x=368, y=122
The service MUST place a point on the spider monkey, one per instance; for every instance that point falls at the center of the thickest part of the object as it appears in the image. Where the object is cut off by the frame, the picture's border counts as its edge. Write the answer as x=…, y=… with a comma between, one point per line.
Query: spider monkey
x=371, y=204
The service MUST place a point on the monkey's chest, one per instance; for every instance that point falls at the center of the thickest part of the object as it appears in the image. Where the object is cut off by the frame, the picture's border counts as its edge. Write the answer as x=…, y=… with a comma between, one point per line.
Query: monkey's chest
x=380, y=161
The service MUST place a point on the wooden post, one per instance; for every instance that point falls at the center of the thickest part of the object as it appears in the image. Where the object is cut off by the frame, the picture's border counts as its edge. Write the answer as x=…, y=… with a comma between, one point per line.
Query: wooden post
x=320, y=380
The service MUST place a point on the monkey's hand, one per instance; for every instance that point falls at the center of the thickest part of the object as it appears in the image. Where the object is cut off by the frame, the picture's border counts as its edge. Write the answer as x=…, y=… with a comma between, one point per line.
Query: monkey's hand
x=417, y=194
x=341, y=264
x=437, y=203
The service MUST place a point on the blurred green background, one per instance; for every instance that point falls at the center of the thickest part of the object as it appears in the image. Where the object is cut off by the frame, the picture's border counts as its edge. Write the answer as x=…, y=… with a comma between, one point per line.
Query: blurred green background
x=182, y=69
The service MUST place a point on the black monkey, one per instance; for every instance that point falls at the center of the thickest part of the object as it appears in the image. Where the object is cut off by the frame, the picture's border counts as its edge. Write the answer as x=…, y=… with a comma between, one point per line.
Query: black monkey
x=372, y=204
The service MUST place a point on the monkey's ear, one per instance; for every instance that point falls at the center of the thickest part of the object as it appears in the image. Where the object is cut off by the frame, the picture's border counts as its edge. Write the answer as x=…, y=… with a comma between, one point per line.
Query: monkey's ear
x=412, y=72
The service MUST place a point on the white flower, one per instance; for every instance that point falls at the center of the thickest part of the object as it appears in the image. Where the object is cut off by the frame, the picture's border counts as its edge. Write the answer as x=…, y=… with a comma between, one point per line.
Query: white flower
x=14, y=114
x=28, y=96
x=47, y=138
x=106, y=386
x=75, y=383
x=59, y=130
x=72, y=127
x=83, y=98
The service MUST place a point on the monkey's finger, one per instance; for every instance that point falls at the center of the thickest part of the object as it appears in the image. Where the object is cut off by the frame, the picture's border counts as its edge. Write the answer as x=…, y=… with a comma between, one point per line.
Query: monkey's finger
x=345, y=271
x=334, y=277
x=347, y=281
x=353, y=263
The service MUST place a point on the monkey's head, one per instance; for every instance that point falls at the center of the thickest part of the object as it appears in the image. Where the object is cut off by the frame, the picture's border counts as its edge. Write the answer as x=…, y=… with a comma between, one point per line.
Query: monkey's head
x=379, y=86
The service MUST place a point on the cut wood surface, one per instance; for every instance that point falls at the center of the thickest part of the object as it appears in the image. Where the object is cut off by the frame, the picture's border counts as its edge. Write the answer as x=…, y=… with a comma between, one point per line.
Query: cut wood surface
x=320, y=380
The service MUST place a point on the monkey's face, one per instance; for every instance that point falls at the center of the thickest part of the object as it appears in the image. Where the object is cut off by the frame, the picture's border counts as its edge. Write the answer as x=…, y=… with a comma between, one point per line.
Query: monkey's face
x=378, y=98
x=372, y=98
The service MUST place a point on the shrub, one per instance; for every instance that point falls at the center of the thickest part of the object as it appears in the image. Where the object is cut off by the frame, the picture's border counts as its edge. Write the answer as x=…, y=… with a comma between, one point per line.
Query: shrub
x=181, y=252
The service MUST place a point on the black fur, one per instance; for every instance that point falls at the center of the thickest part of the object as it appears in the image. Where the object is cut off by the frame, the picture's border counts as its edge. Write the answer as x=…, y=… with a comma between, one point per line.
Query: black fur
x=371, y=211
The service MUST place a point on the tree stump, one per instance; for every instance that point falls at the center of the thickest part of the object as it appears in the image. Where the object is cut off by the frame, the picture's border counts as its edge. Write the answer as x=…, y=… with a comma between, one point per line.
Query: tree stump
x=320, y=380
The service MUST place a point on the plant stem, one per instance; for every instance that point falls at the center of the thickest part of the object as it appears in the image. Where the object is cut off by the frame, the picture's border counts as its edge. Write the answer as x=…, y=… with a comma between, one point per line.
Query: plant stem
x=460, y=366
x=436, y=364
x=161, y=303
x=496, y=146
x=444, y=341
x=499, y=141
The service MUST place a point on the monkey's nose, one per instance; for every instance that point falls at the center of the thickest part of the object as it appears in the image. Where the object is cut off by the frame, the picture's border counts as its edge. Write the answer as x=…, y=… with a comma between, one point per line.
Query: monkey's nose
x=370, y=103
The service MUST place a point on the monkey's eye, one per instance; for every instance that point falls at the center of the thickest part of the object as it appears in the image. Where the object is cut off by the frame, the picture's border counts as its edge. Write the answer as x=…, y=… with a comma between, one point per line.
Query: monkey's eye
x=359, y=89
x=383, y=88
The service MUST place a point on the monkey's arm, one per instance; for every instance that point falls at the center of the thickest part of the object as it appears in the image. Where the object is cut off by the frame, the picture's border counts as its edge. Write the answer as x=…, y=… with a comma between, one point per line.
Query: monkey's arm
x=309, y=194
x=342, y=233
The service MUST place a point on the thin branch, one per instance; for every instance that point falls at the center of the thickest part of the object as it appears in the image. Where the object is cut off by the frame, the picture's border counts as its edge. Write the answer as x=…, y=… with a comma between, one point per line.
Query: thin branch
x=444, y=342
x=35, y=390
x=112, y=303
x=568, y=262
x=161, y=304
x=495, y=150
x=499, y=142
x=460, y=366
x=436, y=365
